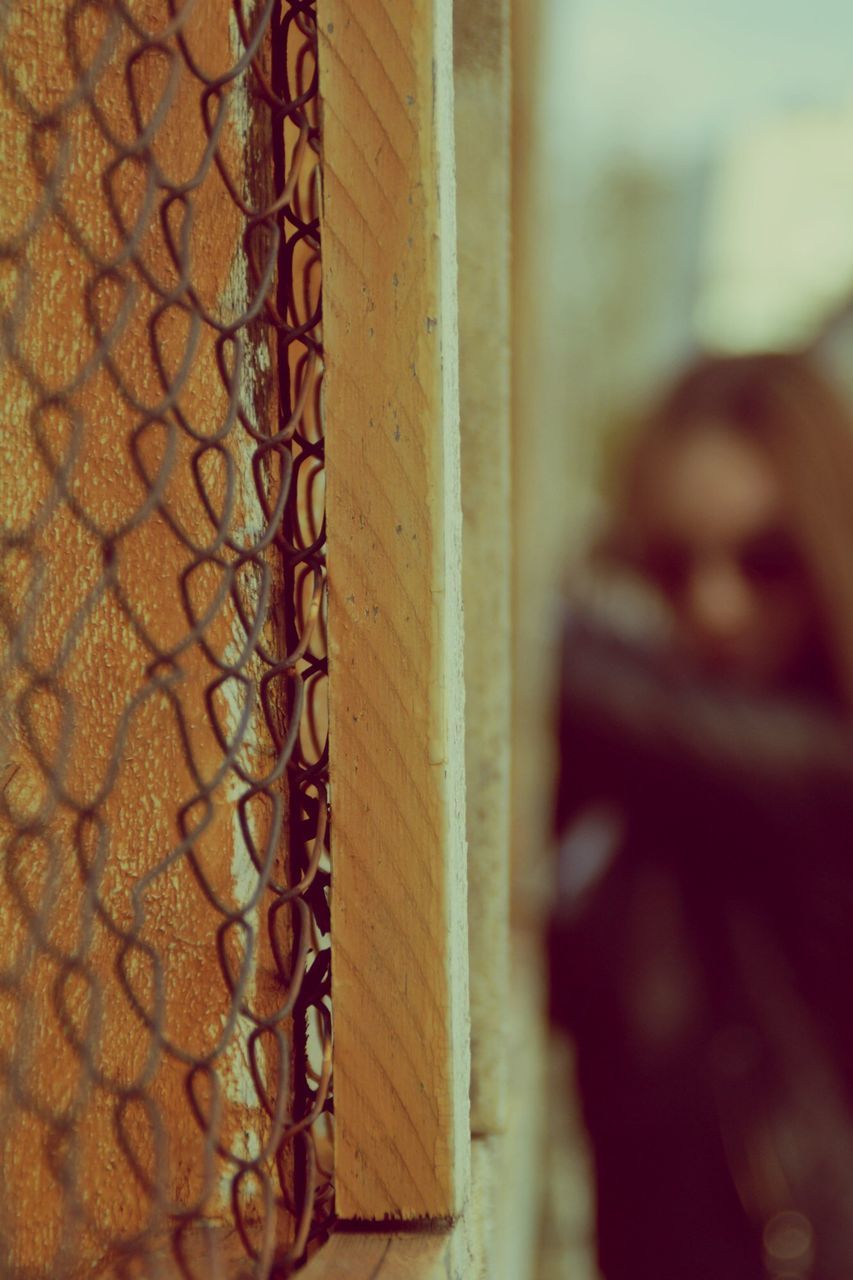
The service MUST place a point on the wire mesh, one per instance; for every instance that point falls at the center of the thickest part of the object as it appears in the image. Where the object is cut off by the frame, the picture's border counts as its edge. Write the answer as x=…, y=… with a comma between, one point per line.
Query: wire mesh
x=165, y=1038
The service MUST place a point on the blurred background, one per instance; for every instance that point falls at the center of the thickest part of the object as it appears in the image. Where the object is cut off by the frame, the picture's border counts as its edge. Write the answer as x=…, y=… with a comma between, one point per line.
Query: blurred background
x=692, y=179
x=683, y=183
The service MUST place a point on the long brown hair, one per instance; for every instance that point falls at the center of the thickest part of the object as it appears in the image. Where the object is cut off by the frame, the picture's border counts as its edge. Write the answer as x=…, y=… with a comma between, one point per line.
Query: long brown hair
x=785, y=406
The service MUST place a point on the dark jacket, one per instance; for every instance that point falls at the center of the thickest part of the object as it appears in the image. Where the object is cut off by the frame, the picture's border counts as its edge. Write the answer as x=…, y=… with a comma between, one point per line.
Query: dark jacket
x=701, y=955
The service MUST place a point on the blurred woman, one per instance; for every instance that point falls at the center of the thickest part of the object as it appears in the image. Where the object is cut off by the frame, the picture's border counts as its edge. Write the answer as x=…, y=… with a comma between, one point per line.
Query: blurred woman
x=702, y=947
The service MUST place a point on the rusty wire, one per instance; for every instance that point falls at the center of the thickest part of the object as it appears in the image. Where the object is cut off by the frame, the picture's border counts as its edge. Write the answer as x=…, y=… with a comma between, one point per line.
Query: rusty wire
x=165, y=1037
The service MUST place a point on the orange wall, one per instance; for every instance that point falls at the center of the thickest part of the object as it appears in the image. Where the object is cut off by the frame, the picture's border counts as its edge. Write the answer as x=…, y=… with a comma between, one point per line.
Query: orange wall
x=76, y=853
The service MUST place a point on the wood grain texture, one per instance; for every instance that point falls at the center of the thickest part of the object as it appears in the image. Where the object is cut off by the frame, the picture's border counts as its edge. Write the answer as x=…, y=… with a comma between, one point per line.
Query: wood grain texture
x=482, y=84
x=495, y=1238
x=394, y=534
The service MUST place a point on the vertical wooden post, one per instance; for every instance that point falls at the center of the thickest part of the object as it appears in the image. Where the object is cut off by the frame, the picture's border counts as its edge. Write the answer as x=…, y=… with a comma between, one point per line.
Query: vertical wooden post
x=394, y=545
x=481, y=56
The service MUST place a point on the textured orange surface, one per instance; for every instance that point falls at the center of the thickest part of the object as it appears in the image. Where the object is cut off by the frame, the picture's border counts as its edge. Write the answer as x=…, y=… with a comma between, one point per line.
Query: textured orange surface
x=99, y=721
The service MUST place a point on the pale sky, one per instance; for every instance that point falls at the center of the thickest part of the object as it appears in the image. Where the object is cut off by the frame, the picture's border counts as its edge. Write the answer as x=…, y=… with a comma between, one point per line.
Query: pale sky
x=673, y=75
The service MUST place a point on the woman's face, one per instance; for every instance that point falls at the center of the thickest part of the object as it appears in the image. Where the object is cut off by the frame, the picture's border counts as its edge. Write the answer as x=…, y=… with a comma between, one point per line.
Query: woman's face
x=722, y=552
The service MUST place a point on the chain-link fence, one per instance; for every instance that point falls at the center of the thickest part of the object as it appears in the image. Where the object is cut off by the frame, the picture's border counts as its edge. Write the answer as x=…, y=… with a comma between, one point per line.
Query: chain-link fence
x=164, y=967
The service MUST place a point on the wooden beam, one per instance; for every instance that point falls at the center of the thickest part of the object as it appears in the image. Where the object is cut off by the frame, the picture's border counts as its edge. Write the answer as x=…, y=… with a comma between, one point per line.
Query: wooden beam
x=394, y=548
x=482, y=83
